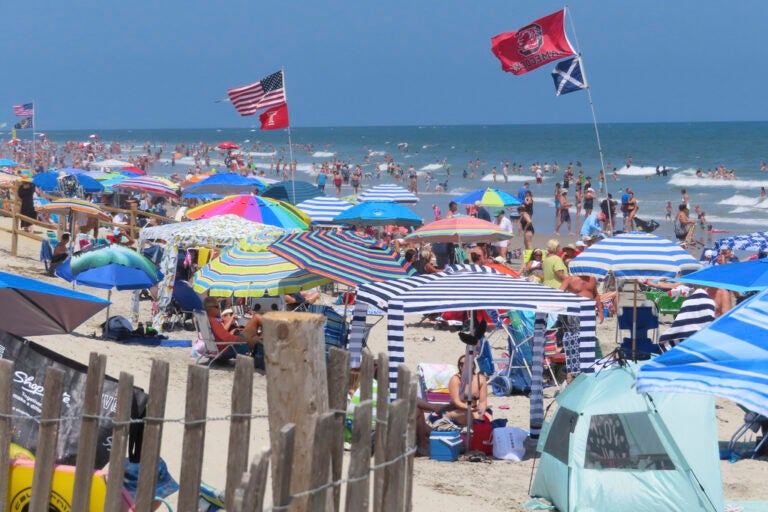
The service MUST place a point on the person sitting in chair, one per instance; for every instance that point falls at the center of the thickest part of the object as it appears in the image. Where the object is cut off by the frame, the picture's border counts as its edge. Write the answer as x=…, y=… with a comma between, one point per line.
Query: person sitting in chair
x=293, y=300
x=60, y=253
x=250, y=335
x=473, y=396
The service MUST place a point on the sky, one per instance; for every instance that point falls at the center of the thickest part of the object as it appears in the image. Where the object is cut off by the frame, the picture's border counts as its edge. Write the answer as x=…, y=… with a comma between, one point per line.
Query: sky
x=161, y=64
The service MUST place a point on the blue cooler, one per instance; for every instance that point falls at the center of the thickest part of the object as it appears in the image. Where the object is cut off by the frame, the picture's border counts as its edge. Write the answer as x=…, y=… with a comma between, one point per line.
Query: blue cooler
x=444, y=445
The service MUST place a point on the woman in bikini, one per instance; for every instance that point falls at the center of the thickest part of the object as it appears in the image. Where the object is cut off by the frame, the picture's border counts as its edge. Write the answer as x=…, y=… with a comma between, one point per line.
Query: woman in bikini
x=473, y=396
x=525, y=223
x=631, y=211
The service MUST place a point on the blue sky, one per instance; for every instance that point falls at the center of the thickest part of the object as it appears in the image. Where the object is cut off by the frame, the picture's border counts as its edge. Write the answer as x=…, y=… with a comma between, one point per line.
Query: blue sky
x=160, y=64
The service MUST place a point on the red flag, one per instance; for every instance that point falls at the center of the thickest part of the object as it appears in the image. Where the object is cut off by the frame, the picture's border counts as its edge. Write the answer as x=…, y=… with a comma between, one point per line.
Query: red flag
x=274, y=118
x=534, y=45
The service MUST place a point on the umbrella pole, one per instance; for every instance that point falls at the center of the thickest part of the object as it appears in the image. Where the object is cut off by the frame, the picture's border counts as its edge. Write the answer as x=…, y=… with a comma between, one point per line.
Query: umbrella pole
x=109, y=299
x=634, y=321
x=469, y=353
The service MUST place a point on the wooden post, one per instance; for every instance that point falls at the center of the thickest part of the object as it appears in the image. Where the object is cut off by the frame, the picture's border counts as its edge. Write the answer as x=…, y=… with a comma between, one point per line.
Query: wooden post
x=360, y=458
x=89, y=432
x=338, y=394
x=255, y=486
x=15, y=232
x=240, y=426
x=194, y=437
x=153, y=434
x=366, y=376
x=319, y=501
x=281, y=494
x=113, y=501
x=382, y=403
x=294, y=353
x=393, y=490
x=6, y=399
x=132, y=220
x=47, y=438
x=411, y=441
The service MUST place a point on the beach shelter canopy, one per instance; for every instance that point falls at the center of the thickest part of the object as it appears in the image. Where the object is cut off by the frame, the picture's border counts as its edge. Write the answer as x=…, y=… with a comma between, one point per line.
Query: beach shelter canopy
x=256, y=209
x=34, y=308
x=491, y=197
x=228, y=145
x=67, y=206
x=757, y=241
x=470, y=287
x=253, y=274
x=378, y=213
x=132, y=171
x=609, y=448
x=323, y=209
x=150, y=185
x=740, y=277
x=697, y=312
x=342, y=256
x=388, y=192
x=293, y=192
x=459, y=230
x=48, y=182
x=223, y=184
x=728, y=358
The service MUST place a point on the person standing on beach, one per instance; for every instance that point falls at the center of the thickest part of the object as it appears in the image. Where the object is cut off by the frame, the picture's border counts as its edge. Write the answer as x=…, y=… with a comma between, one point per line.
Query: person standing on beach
x=668, y=210
x=589, y=201
x=523, y=190
x=337, y=181
x=525, y=222
x=632, y=208
x=565, y=215
x=452, y=209
x=504, y=224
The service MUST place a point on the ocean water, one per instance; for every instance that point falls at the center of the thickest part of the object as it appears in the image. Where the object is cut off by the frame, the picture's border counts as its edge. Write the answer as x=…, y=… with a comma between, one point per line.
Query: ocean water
x=731, y=205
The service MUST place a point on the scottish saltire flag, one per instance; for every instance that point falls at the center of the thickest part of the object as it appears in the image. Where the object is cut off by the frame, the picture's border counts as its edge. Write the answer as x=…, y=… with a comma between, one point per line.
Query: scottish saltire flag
x=568, y=76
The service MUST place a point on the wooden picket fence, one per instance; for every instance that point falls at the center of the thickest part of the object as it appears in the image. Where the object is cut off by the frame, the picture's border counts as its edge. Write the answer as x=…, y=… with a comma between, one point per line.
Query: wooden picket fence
x=306, y=454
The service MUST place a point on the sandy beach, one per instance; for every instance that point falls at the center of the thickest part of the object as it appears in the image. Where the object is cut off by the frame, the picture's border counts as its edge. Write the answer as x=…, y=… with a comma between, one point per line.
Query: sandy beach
x=494, y=486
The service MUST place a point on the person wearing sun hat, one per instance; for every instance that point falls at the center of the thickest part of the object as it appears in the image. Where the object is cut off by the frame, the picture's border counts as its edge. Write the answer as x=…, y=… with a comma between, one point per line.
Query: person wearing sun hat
x=505, y=224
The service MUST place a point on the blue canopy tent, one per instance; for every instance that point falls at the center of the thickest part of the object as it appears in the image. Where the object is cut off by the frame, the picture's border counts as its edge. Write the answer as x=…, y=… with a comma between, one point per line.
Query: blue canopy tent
x=48, y=182
x=293, y=192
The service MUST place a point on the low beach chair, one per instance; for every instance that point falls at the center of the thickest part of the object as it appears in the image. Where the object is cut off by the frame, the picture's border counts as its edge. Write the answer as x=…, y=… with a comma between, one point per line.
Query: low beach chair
x=645, y=321
x=745, y=442
x=433, y=381
x=211, y=348
x=184, y=302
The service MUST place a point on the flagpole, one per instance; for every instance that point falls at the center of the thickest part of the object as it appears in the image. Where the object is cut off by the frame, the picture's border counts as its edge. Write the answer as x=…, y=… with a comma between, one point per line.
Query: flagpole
x=290, y=144
x=34, y=123
x=594, y=117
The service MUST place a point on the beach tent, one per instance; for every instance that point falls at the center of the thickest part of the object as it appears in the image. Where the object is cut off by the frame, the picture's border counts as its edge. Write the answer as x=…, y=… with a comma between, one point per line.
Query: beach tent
x=609, y=448
x=472, y=287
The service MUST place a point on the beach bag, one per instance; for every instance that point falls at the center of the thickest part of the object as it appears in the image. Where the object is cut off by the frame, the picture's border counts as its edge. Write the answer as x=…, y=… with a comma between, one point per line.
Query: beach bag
x=482, y=438
x=117, y=328
x=509, y=443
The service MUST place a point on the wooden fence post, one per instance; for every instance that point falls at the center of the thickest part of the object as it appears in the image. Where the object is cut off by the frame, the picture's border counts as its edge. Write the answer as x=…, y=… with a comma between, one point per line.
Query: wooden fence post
x=360, y=458
x=240, y=427
x=254, y=486
x=15, y=232
x=382, y=403
x=47, y=437
x=89, y=432
x=194, y=437
x=394, y=475
x=319, y=501
x=6, y=399
x=294, y=353
x=153, y=433
x=411, y=441
x=113, y=501
x=338, y=395
x=281, y=494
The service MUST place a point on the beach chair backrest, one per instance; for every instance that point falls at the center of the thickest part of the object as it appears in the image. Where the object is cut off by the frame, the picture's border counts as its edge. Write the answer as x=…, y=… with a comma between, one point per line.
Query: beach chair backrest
x=204, y=329
x=263, y=305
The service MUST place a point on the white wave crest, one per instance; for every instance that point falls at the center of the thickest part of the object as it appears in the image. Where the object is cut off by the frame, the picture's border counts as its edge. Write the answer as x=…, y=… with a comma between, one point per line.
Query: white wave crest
x=514, y=178
x=323, y=154
x=688, y=178
x=262, y=154
x=637, y=170
x=431, y=167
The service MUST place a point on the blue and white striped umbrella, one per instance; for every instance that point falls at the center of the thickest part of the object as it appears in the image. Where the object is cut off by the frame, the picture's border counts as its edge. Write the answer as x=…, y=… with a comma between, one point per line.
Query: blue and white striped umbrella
x=323, y=209
x=729, y=358
x=633, y=256
x=388, y=192
x=750, y=242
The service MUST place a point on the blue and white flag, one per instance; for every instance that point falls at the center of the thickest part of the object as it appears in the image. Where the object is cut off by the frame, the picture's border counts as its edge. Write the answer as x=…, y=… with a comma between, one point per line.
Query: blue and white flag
x=568, y=76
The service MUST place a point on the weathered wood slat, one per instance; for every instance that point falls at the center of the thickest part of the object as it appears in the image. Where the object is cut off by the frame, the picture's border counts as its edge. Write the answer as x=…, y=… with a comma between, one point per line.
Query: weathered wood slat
x=45, y=455
x=153, y=434
x=193, y=444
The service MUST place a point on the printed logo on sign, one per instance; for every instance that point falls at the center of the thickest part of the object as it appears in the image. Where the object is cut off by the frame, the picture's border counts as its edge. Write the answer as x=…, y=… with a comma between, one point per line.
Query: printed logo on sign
x=20, y=502
x=529, y=39
x=271, y=119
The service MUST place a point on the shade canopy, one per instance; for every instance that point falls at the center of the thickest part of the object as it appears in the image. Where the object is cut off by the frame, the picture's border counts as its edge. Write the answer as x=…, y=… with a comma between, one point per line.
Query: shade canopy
x=48, y=182
x=388, y=192
x=293, y=192
x=740, y=277
x=224, y=230
x=34, y=308
x=223, y=184
x=67, y=206
x=633, y=256
x=459, y=229
x=253, y=274
x=729, y=358
x=757, y=241
x=150, y=185
x=378, y=213
x=323, y=209
x=490, y=197
x=256, y=209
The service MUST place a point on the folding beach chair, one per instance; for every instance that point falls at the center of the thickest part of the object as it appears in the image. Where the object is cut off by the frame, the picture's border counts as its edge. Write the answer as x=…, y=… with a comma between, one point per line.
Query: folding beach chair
x=184, y=301
x=645, y=321
x=746, y=436
x=433, y=381
x=690, y=242
x=211, y=348
x=665, y=304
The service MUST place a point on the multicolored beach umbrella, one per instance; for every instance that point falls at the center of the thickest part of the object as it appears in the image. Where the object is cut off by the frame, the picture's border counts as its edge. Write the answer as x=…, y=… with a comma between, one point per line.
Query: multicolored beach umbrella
x=633, y=256
x=132, y=170
x=67, y=206
x=342, y=256
x=253, y=274
x=459, y=229
x=147, y=184
x=323, y=209
x=491, y=197
x=256, y=209
x=378, y=213
x=388, y=192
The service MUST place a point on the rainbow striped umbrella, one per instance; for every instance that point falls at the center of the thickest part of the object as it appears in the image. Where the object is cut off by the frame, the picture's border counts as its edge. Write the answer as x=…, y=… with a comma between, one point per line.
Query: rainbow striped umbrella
x=459, y=230
x=343, y=257
x=491, y=197
x=147, y=184
x=67, y=206
x=252, y=274
x=254, y=208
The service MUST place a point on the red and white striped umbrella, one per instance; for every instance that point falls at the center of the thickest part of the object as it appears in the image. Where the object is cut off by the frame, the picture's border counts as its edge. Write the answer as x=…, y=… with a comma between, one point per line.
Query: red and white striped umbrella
x=147, y=184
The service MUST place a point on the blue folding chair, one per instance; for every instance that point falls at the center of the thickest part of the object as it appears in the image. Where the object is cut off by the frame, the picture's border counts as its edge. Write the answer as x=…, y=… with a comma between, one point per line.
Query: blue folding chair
x=646, y=321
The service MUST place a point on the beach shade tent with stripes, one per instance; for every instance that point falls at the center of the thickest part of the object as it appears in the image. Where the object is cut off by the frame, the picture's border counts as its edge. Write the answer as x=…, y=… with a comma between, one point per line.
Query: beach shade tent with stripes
x=728, y=358
x=242, y=273
x=633, y=256
x=223, y=184
x=150, y=185
x=757, y=241
x=220, y=231
x=293, y=192
x=740, y=277
x=388, y=192
x=342, y=256
x=323, y=209
x=256, y=209
x=491, y=197
x=378, y=213
x=471, y=287
x=696, y=312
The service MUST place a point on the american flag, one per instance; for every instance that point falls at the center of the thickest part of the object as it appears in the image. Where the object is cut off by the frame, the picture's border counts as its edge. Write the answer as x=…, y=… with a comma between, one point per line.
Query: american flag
x=24, y=110
x=267, y=92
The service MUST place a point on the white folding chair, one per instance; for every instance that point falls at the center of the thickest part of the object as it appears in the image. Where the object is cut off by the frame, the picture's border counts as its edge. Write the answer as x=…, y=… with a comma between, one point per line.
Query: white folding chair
x=212, y=349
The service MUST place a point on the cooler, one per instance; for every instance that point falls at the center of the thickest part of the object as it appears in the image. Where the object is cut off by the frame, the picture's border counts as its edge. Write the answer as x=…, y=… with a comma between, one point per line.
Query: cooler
x=444, y=445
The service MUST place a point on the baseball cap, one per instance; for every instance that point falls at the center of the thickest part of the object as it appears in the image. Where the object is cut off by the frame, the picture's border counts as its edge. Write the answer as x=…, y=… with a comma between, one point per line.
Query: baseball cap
x=580, y=244
x=570, y=246
x=227, y=311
